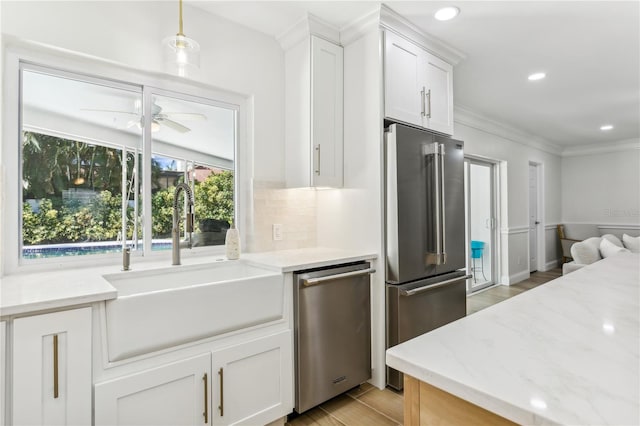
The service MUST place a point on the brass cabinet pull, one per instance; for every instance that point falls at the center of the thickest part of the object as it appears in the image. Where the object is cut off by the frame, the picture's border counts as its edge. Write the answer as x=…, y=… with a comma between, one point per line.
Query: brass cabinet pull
x=221, y=406
x=55, y=365
x=206, y=399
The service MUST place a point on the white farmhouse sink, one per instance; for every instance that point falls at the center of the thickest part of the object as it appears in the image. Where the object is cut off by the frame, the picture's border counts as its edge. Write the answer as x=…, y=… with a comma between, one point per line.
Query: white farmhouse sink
x=167, y=307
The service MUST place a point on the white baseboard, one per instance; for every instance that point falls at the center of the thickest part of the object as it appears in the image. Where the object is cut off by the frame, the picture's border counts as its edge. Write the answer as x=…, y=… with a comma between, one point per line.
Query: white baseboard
x=550, y=265
x=515, y=278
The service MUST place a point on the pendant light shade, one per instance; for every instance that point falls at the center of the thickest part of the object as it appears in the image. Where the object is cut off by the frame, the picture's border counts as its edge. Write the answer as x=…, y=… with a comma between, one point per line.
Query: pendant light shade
x=181, y=53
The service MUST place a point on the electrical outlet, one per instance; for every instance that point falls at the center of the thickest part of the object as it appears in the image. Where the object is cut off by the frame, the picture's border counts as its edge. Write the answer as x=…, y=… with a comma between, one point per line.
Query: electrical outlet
x=277, y=232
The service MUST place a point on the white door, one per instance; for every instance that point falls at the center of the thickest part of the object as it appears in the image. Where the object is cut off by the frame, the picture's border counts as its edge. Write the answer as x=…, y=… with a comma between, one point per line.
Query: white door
x=52, y=369
x=173, y=394
x=533, y=218
x=326, y=113
x=402, y=96
x=253, y=381
x=439, y=94
x=3, y=361
x=481, y=222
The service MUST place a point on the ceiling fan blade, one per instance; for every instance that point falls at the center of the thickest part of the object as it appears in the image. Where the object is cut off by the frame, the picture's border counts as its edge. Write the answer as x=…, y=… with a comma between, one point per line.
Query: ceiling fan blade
x=185, y=115
x=174, y=125
x=108, y=110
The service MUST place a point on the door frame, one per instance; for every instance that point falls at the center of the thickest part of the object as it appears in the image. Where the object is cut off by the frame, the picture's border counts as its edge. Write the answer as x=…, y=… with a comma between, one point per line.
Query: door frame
x=540, y=208
x=496, y=202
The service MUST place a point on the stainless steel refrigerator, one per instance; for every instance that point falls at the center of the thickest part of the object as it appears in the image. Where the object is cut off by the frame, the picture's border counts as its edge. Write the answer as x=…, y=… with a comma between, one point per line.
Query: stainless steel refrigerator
x=425, y=234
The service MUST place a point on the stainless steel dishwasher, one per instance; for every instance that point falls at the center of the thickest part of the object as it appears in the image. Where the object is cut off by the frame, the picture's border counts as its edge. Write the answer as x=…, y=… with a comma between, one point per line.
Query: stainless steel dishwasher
x=332, y=309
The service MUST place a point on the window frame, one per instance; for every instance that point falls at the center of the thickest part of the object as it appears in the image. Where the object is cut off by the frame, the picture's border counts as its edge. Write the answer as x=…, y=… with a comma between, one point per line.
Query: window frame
x=19, y=53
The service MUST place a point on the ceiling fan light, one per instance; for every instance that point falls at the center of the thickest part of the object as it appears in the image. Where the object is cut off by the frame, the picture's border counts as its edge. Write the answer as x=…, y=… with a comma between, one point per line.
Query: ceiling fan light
x=155, y=126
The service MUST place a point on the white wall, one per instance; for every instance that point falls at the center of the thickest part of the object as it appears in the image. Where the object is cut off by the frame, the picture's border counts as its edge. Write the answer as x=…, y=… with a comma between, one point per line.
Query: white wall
x=601, y=190
x=514, y=157
x=233, y=57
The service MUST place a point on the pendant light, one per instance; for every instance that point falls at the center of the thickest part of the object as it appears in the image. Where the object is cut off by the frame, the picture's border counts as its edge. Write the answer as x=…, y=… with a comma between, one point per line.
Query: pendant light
x=181, y=53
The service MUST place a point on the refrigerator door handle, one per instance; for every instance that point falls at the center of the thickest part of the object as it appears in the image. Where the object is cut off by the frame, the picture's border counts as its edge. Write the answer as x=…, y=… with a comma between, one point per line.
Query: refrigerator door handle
x=443, y=229
x=432, y=286
x=438, y=257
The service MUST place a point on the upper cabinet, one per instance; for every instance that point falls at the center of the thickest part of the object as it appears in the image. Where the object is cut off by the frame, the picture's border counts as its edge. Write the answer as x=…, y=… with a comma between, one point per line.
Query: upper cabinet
x=418, y=86
x=314, y=113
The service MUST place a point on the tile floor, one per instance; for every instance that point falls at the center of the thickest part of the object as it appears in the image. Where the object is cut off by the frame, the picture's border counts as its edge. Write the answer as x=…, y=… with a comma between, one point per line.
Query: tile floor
x=370, y=406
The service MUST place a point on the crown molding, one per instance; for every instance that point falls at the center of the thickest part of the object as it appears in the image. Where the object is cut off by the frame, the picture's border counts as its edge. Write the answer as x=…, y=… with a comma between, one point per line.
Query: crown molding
x=393, y=21
x=308, y=25
x=470, y=118
x=360, y=27
x=602, y=148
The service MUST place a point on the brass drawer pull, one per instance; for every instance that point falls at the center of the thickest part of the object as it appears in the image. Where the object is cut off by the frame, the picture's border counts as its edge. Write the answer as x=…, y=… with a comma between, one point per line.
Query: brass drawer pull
x=55, y=365
x=221, y=406
x=206, y=399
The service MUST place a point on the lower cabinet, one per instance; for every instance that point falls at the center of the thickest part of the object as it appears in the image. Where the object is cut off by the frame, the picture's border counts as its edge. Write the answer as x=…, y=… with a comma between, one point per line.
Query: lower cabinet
x=253, y=382
x=173, y=394
x=51, y=382
x=248, y=383
x=3, y=374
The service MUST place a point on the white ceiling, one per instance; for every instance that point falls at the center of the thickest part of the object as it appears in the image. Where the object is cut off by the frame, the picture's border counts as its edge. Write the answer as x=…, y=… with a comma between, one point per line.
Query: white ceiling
x=589, y=50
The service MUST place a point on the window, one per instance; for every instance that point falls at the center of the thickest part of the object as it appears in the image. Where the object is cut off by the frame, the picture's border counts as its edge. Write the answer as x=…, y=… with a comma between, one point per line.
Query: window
x=84, y=152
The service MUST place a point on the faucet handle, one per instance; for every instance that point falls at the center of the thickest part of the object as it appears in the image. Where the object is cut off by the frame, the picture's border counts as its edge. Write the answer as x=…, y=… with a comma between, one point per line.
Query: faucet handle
x=190, y=220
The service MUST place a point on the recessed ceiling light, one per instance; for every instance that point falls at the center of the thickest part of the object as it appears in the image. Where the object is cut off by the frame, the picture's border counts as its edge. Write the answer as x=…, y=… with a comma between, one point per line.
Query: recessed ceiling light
x=446, y=13
x=537, y=76
x=606, y=127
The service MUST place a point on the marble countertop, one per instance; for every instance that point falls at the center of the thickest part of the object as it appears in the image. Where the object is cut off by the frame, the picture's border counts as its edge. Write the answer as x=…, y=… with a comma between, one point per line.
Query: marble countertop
x=307, y=258
x=566, y=352
x=24, y=293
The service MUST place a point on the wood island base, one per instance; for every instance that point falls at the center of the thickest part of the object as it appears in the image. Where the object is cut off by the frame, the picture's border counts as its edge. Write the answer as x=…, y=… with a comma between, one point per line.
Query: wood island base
x=427, y=405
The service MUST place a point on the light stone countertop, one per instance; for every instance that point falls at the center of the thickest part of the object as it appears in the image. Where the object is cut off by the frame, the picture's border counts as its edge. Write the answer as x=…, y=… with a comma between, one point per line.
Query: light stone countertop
x=62, y=287
x=566, y=352
x=306, y=258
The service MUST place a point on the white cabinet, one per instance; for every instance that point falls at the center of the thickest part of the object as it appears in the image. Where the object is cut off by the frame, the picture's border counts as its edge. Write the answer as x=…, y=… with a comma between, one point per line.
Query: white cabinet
x=3, y=369
x=250, y=383
x=253, y=381
x=418, y=86
x=314, y=113
x=52, y=368
x=173, y=394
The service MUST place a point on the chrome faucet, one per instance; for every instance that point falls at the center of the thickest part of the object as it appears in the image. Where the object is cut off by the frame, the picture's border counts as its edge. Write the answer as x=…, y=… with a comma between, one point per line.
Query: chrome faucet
x=175, y=231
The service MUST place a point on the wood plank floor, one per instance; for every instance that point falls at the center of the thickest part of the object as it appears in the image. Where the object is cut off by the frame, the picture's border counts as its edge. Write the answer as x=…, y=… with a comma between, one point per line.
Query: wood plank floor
x=370, y=406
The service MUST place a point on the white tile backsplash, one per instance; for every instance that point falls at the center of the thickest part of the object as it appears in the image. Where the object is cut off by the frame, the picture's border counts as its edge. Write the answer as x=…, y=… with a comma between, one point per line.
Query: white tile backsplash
x=294, y=208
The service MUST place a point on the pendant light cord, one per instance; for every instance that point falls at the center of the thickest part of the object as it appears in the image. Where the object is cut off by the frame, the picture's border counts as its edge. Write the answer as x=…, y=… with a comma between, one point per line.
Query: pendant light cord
x=180, y=30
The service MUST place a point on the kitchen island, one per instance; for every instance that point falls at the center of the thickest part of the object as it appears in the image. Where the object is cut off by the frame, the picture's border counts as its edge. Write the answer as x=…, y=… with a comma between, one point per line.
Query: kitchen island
x=567, y=352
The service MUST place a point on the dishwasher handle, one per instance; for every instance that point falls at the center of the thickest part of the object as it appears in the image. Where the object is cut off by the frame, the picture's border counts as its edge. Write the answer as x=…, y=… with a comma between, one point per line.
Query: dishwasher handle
x=314, y=281
x=432, y=286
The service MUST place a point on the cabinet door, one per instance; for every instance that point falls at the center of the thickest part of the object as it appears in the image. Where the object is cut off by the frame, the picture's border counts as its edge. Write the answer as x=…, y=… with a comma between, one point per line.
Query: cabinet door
x=439, y=95
x=3, y=367
x=173, y=394
x=403, y=90
x=52, y=368
x=253, y=382
x=326, y=113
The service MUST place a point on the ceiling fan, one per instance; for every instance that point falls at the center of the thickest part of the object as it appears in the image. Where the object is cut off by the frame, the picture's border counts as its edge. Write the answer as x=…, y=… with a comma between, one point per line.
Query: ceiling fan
x=158, y=118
